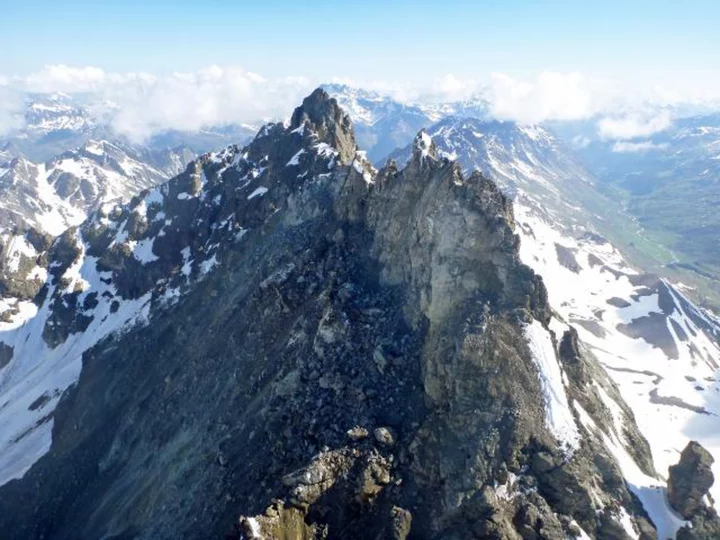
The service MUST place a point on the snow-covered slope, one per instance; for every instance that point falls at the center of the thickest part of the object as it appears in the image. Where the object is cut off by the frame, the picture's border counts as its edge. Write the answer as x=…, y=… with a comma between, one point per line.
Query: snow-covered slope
x=56, y=112
x=60, y=193
x=660, y=349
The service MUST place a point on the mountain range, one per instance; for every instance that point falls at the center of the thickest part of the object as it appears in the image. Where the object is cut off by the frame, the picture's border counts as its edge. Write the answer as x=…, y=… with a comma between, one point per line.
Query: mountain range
x=299, y=338
x=383, y=124
x=61, y=192
x=56, y=123
x=660, y=189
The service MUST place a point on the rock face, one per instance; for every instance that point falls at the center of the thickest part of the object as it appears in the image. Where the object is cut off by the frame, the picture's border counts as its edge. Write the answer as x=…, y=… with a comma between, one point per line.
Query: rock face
x=688, y=487
x=690, y=480
x=661, y=349
x=327, y=350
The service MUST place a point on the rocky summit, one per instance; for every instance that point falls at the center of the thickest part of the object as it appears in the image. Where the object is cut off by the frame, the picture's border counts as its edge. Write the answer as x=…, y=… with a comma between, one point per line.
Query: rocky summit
x=284, y=342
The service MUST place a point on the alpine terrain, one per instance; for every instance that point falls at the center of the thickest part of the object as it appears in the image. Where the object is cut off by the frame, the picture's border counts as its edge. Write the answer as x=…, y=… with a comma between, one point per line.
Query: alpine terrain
x=284, y=342
x=383, y=124
x=54, y=123
x=668, y=181
x=658, y=347
x=59, y=193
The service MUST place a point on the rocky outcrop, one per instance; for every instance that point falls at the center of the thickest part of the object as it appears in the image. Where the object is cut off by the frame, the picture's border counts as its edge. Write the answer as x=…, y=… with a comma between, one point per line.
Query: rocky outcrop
x=331, y=124
x=690, y=480
x=688, y=486
x=333, y=352
x=705, y=525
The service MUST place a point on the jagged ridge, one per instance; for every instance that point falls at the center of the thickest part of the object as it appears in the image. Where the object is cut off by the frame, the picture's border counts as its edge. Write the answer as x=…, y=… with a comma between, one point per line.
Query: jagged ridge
x=301, y=301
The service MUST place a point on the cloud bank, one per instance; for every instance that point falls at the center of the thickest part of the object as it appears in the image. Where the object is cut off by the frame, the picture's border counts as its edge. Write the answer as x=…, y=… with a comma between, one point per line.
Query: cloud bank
x=552, y=96
x=625, y=147
x=139, y=104
x=634, y=126
x=12, y=105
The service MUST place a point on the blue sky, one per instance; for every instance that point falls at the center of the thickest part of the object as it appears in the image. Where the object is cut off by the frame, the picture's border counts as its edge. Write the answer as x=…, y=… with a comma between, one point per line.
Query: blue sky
x=180, y=64
x=398, y=40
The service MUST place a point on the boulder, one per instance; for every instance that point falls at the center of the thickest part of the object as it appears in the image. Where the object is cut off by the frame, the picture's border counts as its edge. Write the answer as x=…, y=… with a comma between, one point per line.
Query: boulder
x=690, y=480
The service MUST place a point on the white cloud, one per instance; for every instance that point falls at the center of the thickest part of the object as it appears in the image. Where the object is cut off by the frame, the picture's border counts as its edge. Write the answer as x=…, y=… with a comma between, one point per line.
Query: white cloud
x=451, y=88
x=140, y=104
x=11, y=108
x=552, y=96
x=62, y=78
x=634, y=125
x=580, y=141
x=625, y=147
x=209, y=97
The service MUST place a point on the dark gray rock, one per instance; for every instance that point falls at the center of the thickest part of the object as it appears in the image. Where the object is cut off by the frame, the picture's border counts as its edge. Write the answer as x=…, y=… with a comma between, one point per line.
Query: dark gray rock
x=329, y=121
x=690, y=480
x=6, y=354
x=705, y=525
x=566, y=258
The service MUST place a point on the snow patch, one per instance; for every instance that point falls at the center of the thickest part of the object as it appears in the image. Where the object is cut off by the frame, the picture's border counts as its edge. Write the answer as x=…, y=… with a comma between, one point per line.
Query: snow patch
x=259, y=192
x=207, y=265
x=558, y=413
x=17, y=248
x=649, y=490
x=154, y=196
x=423, y=143
x=254, y=529
x=295, y=160
x=186, y=269
x=143, y=251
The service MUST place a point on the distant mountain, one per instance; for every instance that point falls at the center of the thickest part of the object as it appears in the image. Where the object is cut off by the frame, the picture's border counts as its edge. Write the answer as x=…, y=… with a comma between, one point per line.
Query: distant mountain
x=203, y=141
x=57, y=123
x=477, y=108
x=51, y=113
x=383, y=124
x=60, y=193
x=53, y=124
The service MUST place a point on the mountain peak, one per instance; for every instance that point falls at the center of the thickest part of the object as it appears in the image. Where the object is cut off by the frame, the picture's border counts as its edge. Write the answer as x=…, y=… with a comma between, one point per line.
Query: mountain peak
x=329, y=121
x=423, y=146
